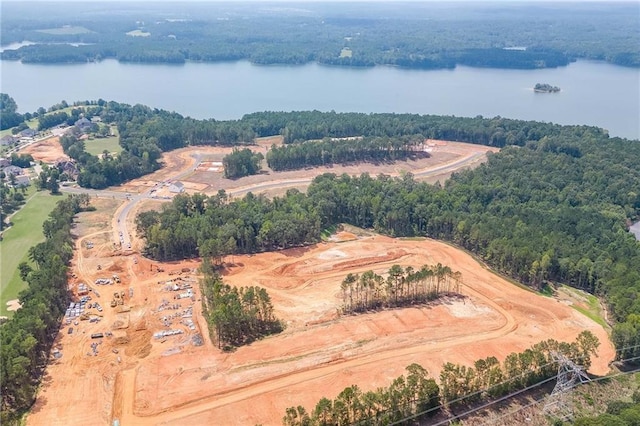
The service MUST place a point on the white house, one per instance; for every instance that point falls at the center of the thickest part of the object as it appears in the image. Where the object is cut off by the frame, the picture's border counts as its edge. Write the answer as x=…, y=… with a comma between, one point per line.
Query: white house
x=176, y=187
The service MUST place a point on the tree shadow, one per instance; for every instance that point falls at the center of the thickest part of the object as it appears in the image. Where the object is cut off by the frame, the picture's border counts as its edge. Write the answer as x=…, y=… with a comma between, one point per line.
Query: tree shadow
x=295, y=251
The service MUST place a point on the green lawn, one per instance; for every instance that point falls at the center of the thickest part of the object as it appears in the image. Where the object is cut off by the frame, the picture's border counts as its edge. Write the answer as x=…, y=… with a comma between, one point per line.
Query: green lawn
x=97, y=145
x=25, y=232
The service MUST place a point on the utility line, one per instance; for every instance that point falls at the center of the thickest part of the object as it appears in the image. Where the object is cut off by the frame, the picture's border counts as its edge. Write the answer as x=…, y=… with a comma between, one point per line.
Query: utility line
x=421, y=413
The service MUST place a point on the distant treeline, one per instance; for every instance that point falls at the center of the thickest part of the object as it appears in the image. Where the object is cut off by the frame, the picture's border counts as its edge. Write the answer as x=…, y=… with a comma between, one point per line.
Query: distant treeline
x=26, y=339
x=417, y=396
x=419, y=36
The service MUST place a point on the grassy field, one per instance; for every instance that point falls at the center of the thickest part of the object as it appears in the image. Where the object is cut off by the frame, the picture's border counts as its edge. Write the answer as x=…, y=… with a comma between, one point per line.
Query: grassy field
x=97, y=145
x=25, y=232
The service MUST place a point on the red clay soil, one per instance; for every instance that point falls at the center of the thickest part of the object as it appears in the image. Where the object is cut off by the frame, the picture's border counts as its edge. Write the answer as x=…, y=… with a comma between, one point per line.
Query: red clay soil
x=140, y=380
x=47, y=150
x=319, y=353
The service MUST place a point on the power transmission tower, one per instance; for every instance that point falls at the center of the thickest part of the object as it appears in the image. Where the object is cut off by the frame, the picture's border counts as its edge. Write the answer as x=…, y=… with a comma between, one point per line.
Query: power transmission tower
x=559, y=404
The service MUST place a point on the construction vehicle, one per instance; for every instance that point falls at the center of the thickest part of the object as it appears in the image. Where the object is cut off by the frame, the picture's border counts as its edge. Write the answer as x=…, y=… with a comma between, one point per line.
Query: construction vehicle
x=116, y=278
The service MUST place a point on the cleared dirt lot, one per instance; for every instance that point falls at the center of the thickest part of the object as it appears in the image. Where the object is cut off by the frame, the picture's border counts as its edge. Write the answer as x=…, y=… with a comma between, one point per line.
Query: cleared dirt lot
x=47, y=150
x=138, y=379
x=201, y=169
x=174, y=382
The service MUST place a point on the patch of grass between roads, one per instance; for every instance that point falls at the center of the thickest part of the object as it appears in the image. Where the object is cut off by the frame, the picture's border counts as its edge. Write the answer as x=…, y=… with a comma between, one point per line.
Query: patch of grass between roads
x=17, y=240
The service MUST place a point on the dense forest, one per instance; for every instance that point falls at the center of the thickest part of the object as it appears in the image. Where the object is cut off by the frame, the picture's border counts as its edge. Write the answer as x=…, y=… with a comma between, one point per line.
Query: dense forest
x=403, y=287
x=418, y=396
x=235, y=315
x=418, y=35
x=26, y=339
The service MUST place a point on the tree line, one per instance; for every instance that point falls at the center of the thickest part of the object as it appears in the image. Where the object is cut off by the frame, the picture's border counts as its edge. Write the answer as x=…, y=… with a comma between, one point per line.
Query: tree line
x=9, y=116
x=145, y=133
x=520, y=36
x=214, y=227
x=11, y=198
x=236, y=315
x=299, y=126
x=416, y=395
x=403, y=287
x=26, y=339
x=331, y=151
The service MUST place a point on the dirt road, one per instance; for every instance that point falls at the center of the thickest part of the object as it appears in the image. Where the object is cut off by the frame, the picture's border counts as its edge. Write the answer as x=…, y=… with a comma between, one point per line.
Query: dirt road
x=138, y=380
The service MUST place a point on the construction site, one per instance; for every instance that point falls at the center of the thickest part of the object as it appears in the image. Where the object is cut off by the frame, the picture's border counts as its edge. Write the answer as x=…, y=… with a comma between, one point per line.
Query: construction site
x=134, y=348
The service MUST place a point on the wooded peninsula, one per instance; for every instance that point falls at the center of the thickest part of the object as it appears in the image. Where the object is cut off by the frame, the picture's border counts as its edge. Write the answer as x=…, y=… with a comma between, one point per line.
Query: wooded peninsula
x=416, y=35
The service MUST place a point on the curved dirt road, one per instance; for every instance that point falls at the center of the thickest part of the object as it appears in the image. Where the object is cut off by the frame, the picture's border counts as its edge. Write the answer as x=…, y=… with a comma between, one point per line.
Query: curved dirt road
x=132, y=401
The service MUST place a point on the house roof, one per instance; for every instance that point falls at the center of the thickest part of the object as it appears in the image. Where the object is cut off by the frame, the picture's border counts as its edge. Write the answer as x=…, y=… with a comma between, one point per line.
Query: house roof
x=28, y=132
x=83, y=122
x=22, y=180
x=14, y=170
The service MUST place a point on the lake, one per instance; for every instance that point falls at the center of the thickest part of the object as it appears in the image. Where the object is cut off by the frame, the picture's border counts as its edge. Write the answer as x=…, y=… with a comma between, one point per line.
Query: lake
x=593, y=93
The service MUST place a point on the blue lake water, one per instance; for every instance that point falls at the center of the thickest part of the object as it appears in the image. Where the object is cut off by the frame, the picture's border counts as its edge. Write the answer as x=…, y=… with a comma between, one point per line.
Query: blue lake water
x=593, y=93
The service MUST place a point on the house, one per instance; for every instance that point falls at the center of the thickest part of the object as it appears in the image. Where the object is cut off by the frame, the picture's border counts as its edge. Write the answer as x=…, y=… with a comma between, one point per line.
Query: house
x=83, y=124
x=60, y=130
x=176, y=187
x=67, y=166
x=22, y=180
x=7, y=140
x=27, y=133
x=12, y=170
x=4, y=162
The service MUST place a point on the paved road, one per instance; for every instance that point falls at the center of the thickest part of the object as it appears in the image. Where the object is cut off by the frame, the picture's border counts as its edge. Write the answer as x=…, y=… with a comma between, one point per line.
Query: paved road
x=123, y=234
x=121, y=231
